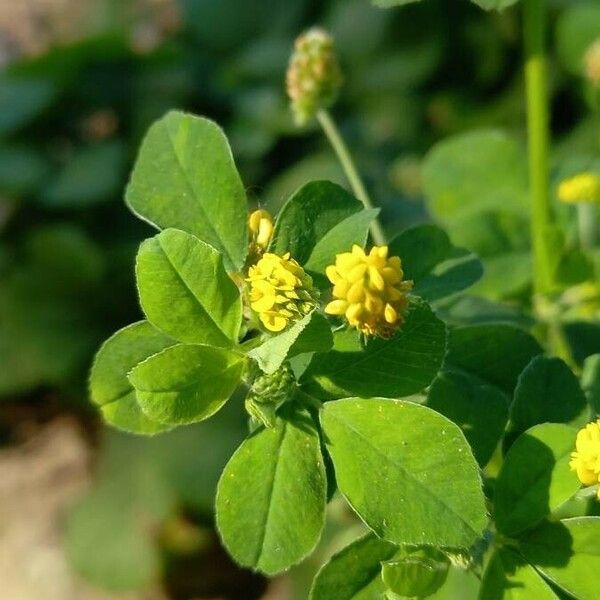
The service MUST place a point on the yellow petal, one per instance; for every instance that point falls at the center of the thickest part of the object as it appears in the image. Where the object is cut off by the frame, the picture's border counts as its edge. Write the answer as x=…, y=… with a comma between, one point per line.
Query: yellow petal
x=390, y=314
x=356, y=272
x=332, y=274
x=336, y=307
x=356, y=293
x=376, y=280
x=262, y=304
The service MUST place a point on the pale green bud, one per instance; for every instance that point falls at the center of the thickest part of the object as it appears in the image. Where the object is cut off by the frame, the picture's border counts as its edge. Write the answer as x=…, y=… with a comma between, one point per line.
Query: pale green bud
x=313, y=77
x=268, y=393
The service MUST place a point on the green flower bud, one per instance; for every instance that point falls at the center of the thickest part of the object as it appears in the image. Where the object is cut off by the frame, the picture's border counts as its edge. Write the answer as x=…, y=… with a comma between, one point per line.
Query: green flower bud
x=314, y=76
x=268, y=393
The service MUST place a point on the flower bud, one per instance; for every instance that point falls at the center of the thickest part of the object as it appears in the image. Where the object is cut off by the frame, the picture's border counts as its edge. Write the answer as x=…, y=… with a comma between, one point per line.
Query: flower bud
x=584, y=187
x=281, y=292
x=313, y=77
x=268, y=393
x=260, y=224
x=369, y=290
x=592, y=63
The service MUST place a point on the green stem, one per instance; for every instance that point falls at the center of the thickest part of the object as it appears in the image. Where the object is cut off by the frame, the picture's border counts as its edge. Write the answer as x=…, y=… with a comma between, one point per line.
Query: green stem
x=534, y=17
x=343, y=154
x=586, y=221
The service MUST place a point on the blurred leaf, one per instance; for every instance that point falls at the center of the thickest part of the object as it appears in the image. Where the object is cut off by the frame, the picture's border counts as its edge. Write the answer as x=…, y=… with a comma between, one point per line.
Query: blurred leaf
x=93, y=175
x=495, y=4
x=577, y=28
x=109, y=387
x=590, y=381
x=185, y=177
x=22, y=100
x=535, y=478
x=567, y=553
x=400, y=366
x=424, y=484
x=436, y=266
x=547, y=392
x=479, y=409
x=391, y=3
x=272, y=494
x=22, y=169
x=508, y=577
x=308, y=215
x=185, y=291
x=473, y=172
x=186, y=383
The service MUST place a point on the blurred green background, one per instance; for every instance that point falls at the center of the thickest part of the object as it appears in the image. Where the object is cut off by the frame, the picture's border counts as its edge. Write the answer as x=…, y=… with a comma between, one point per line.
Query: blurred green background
x=81, y=80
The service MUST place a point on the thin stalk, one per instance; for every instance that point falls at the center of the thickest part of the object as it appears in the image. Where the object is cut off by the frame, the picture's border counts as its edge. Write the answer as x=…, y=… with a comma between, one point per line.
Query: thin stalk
x=345, y=158
x=534, y=24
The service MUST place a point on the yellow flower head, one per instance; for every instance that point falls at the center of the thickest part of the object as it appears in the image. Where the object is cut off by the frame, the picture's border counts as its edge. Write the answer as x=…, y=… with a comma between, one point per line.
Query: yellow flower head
x=584, y=187
x=260, y=224
x=280, y=291
x=586, y=458
x=368, y=290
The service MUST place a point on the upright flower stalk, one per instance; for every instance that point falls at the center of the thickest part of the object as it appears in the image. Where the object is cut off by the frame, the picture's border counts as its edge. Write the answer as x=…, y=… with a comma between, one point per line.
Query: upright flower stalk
x=313, y=81
x=534, y=22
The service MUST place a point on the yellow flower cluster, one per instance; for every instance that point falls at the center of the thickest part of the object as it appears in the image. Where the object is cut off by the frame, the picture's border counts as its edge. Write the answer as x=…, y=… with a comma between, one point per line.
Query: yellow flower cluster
x=280, y=292
x=584, y=187
x=368, y=290
x=260, y=224
x=586, y=458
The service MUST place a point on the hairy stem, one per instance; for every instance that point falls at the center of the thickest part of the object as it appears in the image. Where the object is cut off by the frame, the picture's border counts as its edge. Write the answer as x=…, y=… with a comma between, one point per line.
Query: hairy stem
x=345, y=158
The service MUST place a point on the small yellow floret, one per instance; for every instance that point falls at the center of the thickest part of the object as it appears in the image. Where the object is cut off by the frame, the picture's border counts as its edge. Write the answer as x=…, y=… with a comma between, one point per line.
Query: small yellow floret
x=368, y=290
x=280, y=291
x=585, y=461
x=584, y=187
x=260, y=224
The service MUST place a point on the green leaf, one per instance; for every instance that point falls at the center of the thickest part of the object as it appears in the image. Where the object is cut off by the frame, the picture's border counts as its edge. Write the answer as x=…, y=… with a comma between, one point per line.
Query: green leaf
x=185, y=291
x=547, y=392
x=272, y=494
x=437, y=268
x=185, y=177
x=400, y=366
x=416, y=574
x=22, y=100
x=494, y=4
x=475, y=171
x=308, y=215
x=186, y=383
x=577, y=28
x=92, y=175
x=567, y=553
x=407, y=471
x=109, y=387
x=590, y=381
x=310, y=334
x=508, y=577
x=392, y=3
x=535, y=478
x=494, y=353
x=479, y=409
x=340, y=238
x=354, y=573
